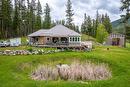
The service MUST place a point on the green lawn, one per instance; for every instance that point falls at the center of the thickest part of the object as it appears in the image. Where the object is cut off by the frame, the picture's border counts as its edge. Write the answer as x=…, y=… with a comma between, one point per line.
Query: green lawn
x=15, y=70
x=87, y=38
x=23, y=48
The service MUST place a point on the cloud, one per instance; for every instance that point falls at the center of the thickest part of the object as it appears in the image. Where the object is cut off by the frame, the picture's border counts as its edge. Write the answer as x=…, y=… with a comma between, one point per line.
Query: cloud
x=58, y=7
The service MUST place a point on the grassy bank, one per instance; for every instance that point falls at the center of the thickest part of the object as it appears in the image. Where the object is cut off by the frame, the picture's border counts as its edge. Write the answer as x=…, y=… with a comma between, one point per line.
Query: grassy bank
x=15, y=70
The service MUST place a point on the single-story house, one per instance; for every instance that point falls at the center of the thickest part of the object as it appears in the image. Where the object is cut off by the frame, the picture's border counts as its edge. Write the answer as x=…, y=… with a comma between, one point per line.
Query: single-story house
x=116, y=40
x=55, y=37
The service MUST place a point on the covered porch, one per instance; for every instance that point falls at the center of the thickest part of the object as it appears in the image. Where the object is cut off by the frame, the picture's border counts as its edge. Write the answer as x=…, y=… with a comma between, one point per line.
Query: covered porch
x=55, y=41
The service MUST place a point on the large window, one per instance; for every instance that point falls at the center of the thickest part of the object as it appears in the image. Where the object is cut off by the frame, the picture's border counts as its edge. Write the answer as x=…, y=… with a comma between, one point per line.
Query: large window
x=70, y=39
x=78, y=39
x=74, y=39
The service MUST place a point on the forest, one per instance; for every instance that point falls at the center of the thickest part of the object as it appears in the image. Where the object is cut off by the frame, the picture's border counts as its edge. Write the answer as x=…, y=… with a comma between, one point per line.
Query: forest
x=21, y=17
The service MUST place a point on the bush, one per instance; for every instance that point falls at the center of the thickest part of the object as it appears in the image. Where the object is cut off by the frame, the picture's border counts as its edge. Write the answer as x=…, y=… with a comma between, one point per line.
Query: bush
x=30, y=49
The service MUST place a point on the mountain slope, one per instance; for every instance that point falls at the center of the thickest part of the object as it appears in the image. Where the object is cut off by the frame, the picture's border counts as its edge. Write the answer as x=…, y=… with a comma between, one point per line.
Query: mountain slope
x=117, y=26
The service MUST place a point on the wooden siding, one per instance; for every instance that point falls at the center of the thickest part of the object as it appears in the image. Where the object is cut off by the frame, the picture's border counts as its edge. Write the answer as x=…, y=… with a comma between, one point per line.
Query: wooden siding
x=41, y=40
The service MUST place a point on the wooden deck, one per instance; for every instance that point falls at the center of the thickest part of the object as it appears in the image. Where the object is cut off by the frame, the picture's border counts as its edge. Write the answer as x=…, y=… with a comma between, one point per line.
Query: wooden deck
x=55, y=46
x=77, y=46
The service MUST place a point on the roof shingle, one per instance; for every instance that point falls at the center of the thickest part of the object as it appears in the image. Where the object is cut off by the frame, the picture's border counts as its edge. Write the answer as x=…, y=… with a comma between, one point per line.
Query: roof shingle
x=58, y=30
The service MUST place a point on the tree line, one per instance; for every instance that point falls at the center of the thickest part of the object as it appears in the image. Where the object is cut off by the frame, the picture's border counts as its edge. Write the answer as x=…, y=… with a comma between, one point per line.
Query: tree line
x=125, y=18
x=89, y=25
x=22, y=17
x=19, y=17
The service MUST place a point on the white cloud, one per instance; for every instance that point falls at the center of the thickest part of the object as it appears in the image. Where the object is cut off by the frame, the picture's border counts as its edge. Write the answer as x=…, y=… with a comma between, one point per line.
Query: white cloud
x=80, y=7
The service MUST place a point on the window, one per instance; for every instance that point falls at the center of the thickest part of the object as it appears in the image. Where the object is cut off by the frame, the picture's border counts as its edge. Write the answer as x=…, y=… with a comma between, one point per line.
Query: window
x=73, y=38
x=70, y=39
x=48, y=39
x=37, y=39
x=78, y=39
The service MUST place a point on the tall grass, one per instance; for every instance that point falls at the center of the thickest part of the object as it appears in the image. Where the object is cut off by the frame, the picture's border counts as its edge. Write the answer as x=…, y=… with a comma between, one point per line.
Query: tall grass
x=75, y=71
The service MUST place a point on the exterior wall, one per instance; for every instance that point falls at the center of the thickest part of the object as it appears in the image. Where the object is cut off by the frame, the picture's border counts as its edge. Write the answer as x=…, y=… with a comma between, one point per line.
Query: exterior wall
x=41, y=40
x=72, y=41
x=112, y=36
x=75, y=40
x=122, y=43
x=109, y=41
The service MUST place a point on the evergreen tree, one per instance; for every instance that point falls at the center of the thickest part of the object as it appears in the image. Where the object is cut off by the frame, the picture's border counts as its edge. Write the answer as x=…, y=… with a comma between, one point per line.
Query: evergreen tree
x=77, y=29
x=89, y=26
x=126, y=7
x=94, y=28
x=32, y=15
x=38, y=16
x=47, y=17
x=16, y=22
x=107, y=23
x=96, y=23
x=1, y=19
x=69, y=15
x=84, y=25
x=7, y=19
x=60, y=22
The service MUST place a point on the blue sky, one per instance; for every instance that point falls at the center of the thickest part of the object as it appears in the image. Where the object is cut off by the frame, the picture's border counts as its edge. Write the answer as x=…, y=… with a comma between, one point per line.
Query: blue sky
x=58, y=7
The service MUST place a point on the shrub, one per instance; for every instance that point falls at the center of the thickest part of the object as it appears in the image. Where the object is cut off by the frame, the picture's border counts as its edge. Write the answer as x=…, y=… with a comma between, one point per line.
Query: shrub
x=30, y=49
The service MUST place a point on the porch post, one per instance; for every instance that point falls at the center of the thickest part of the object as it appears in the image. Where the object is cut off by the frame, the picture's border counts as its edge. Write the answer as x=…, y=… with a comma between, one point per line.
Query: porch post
x=69, y=39
x=79, y=39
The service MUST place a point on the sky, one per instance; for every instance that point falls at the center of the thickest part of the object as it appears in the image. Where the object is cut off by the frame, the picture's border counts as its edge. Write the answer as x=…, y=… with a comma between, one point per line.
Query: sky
x=58, y=7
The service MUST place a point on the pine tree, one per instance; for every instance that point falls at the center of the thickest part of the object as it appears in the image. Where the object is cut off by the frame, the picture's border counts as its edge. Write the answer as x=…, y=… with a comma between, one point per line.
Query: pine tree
x=69, y=15
x=107, y=23
x=84, y=25
x=32, y=15
x=1, y=20
x=89, y=26
x=94, y=28
x=38, y=16
x=16, y=20
x=96, y=23
x=126, y=7
x=7, y=19
x=22, y=18
x=47, y=17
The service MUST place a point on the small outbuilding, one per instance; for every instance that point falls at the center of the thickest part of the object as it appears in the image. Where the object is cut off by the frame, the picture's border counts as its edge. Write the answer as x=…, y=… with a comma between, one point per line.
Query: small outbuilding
x=15, y=41
x=116, y=40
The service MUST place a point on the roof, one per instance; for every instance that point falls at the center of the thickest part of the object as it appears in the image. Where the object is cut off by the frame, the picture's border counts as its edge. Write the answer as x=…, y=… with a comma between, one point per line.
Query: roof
x=58, y=30
x=40, y=32
x=116, y=35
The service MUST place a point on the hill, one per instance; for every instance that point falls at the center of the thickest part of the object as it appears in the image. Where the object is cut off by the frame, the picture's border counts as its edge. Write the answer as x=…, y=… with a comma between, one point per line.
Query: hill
x=117, y=26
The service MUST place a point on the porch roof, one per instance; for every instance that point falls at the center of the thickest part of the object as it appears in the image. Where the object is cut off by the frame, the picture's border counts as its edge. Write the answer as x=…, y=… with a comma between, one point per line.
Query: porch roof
x=58, y=30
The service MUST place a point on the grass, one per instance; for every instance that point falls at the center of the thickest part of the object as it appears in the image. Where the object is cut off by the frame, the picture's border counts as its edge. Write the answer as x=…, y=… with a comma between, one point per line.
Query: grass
x=87, y=38
x=23, y=48
x=24, y=40
x=15, y=70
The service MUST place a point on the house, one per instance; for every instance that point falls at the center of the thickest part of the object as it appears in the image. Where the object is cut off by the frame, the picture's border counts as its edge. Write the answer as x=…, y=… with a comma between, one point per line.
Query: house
x=58, y=36
x=116, y=40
